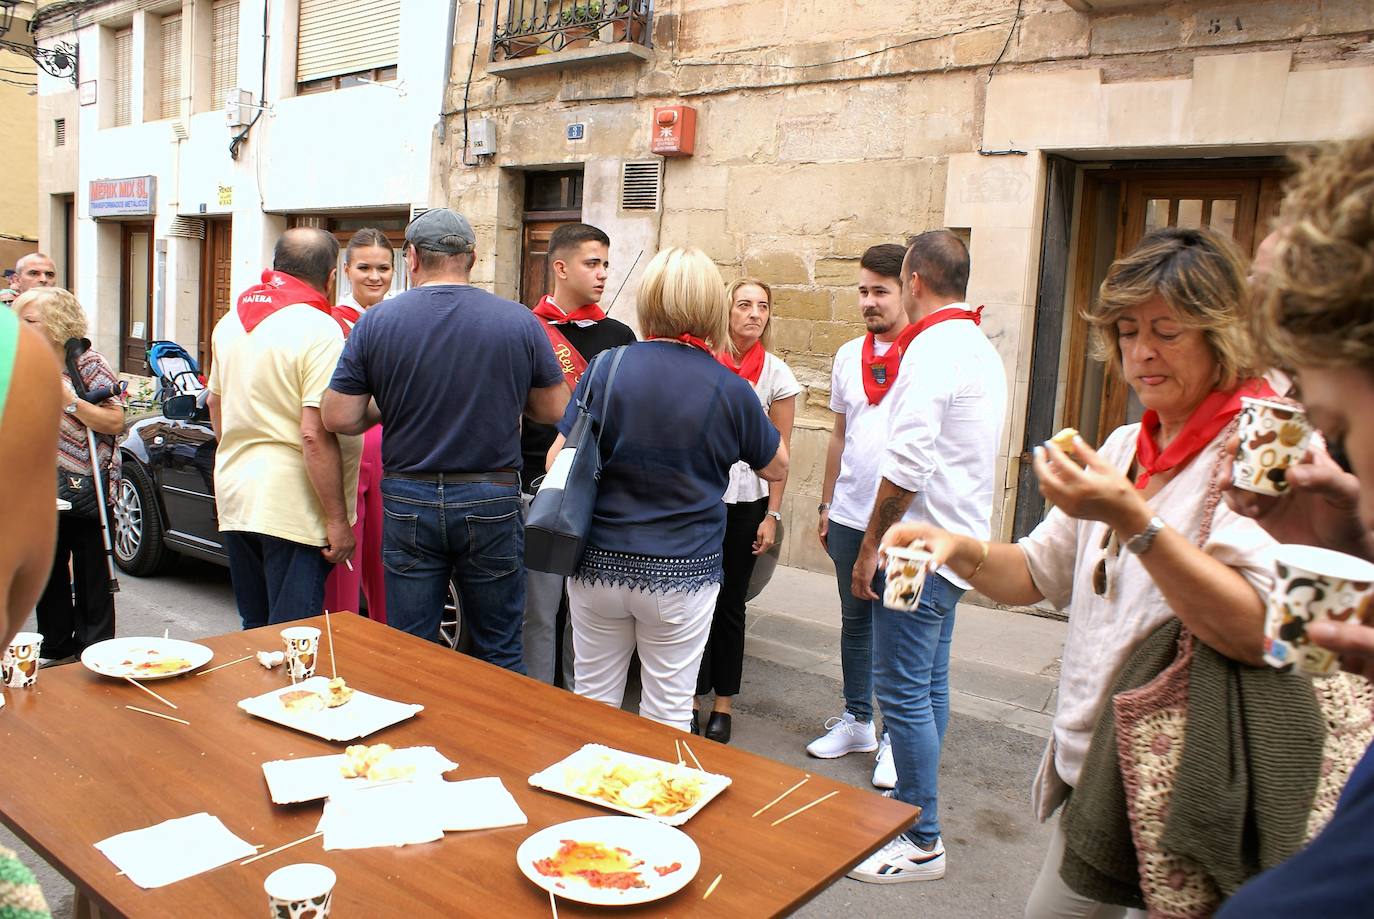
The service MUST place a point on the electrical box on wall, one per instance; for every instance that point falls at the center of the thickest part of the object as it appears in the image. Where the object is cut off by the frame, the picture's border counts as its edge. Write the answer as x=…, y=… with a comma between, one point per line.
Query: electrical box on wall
x=482, y=137
x=238, y=107
x=675, y=130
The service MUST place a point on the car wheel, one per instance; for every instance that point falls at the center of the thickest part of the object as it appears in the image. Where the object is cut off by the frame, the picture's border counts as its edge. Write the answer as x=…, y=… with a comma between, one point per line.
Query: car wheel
x=136, y=525
x=451, y=630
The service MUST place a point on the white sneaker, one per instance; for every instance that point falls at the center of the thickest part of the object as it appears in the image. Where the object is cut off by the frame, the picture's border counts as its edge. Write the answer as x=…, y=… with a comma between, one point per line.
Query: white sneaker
x=885, y=772
x=844, y=734
x=902, y=860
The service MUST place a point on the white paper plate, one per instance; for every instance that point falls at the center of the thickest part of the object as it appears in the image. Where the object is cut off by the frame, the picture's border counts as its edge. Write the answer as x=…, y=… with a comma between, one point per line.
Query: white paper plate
x=362, y=715
x=122, y=657
x=656, y=844
x=292, y=781
x=555, y=779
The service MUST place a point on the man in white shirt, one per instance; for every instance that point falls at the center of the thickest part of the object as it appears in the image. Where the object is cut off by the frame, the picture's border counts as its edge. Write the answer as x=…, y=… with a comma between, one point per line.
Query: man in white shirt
x=949, y=405
x=861, y=379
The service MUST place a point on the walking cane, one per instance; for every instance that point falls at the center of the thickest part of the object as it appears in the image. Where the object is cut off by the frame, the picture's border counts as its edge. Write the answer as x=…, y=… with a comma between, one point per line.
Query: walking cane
x=76, y=347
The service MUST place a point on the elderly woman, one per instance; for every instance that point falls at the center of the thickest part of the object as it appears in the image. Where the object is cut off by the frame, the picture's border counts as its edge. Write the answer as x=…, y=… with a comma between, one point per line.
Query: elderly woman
x=1136, y=536
x=674, y=424
x=70, y=620
x=753, y=507
x=1315, y=316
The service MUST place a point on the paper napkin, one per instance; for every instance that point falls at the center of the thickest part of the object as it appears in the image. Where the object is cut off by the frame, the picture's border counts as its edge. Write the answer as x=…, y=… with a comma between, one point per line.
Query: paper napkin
x=174, y=850
x=475, y=804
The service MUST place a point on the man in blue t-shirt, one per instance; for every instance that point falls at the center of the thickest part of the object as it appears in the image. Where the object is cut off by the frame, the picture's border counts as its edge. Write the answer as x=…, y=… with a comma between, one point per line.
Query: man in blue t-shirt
x=448, y=370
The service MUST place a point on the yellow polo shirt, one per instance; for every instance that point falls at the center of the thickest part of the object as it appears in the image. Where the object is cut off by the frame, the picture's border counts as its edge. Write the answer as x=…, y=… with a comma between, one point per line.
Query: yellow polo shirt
x=264, y=381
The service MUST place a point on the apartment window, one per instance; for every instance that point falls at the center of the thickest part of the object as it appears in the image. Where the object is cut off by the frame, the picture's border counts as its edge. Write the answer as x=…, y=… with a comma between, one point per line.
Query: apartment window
x=224, y=50
x=344, y=41
x=123, y=76
x=59, y=132
x=171, y=66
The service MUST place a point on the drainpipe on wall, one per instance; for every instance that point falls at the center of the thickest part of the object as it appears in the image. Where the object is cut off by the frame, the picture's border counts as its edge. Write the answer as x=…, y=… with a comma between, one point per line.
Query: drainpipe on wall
x=448, y=68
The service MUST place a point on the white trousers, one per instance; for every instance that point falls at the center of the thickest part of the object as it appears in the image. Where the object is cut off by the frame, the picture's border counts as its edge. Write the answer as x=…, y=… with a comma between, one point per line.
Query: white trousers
x=1051, y=898
x=669, y=629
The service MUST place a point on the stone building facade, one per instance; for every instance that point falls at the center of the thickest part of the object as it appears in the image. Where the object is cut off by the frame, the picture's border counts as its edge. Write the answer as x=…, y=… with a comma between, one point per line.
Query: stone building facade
x=1050, y=133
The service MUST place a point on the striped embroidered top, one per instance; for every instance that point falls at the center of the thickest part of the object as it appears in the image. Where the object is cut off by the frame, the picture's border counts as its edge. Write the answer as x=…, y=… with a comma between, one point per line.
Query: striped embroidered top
x=73, y=451
x=20, y=895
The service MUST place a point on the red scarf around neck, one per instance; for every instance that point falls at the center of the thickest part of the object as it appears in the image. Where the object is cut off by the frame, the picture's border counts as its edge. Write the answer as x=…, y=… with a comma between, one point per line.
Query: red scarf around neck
x=1207, y=421
x=750, y=364
x=880, y=373
x=278, y=291
x=549, y=311
x=688, y=338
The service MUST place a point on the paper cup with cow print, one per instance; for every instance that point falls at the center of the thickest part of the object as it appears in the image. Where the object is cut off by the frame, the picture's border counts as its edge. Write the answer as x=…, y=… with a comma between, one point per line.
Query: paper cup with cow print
x=1273, y=436
x=303, y=891
x=302, y=651
x=19, y=665
x=905, y=575
x=1314, y=584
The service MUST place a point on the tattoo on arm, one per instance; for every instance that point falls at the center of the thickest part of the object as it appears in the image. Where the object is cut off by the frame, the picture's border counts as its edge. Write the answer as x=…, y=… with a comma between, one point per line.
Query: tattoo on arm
x=889, y=512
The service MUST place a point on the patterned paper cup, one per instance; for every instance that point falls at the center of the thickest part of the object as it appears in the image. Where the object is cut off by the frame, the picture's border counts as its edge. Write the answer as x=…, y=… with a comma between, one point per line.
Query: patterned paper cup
x=302, y=651
x=1273, y=436
x=1314, y=584
x=19, y=665
x=906, y=573
x=303, y=891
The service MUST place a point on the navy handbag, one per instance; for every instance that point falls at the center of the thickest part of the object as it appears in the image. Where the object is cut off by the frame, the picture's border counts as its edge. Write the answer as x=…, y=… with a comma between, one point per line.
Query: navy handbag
x=560, y=517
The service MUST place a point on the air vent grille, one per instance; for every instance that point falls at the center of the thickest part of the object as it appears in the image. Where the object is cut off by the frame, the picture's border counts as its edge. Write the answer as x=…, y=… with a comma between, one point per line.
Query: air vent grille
x=59, y=132
x=187, y=228
x=641, y=186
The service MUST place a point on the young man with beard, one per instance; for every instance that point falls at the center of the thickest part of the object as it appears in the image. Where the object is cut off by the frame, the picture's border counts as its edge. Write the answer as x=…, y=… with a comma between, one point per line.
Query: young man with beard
x=861, y=379
x=579, y=330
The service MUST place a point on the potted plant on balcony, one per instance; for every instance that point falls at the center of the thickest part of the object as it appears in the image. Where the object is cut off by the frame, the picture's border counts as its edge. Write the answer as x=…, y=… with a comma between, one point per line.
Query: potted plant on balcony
x=580, y=25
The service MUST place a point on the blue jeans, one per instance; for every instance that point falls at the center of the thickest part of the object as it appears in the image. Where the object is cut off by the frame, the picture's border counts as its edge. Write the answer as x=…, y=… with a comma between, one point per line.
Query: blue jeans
x=856, y=621
x=275, y=580
x=471, y=531
x=912, y=680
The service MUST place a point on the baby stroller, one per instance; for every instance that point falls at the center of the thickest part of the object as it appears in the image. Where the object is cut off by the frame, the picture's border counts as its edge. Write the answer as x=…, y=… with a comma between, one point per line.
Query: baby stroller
x=176, y=371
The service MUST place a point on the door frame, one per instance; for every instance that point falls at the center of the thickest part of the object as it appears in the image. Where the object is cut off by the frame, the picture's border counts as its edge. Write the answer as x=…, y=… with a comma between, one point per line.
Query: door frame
x=213, y=225
x=126, y=230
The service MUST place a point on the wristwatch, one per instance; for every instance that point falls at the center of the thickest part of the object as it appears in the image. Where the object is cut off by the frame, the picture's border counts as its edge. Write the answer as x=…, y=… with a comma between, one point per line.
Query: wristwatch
x=776, y=515
x=1142, y=541
x=823, y=507
x=70, y=409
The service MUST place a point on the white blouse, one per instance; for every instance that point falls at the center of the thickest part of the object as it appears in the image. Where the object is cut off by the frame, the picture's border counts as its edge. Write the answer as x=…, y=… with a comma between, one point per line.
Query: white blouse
x=776, y=381
x=1104, y=630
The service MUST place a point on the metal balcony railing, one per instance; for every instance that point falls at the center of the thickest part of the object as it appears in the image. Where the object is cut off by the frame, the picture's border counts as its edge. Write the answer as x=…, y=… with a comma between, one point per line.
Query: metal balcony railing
x=523, y=28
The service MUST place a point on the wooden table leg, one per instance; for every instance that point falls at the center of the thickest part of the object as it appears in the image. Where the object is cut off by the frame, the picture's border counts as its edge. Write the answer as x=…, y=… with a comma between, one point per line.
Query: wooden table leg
x=83, y=907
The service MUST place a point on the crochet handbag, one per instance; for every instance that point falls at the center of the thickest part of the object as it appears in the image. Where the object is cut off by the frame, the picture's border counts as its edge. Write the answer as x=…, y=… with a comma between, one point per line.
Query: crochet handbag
x=1151, y=729
x=560, y=516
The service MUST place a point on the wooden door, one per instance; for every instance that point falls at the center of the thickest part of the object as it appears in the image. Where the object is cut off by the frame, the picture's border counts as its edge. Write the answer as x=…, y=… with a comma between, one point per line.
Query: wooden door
x=534, y=263
x=136, y=296
x=216, y=295
x=1118, y=209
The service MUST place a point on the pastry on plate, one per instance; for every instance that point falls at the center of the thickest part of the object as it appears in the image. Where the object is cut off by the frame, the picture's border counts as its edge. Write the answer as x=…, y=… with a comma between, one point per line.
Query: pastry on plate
x=375, y=763
x=302, y=701
x=338, y=693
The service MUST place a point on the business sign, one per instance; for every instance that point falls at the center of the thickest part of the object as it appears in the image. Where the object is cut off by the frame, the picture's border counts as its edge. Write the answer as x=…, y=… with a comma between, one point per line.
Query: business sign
x=134, y=196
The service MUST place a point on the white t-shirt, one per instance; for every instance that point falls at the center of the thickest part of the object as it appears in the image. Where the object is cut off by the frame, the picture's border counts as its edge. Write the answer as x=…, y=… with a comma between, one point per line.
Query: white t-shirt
x=865, y=435
x=948, y=408
x=1061, y=554
x=776, y=381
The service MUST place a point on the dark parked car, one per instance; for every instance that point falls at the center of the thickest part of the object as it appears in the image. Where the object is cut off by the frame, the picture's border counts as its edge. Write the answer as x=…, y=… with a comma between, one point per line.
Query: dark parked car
x=165, y=505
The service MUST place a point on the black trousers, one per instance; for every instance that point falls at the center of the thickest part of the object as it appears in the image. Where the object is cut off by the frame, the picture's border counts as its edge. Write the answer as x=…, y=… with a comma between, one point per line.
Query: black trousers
x=76, y=609
x=723, y=663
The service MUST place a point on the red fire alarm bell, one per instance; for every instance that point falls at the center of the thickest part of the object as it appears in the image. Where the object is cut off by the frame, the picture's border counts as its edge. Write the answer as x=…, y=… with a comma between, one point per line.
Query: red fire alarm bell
x=675, y=130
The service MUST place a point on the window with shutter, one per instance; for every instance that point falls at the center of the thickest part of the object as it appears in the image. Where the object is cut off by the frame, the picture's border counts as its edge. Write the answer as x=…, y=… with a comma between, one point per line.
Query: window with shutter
x=123, y=76
x=171, y=66
x=224, y=50
x=346, y=36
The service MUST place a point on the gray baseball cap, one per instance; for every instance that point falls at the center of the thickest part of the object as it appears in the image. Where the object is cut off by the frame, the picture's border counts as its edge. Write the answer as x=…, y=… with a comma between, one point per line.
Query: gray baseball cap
x=441, y=230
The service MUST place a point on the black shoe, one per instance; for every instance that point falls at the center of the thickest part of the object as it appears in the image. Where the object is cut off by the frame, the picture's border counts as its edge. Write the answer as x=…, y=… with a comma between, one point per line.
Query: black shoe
x=696, y=722
x=718, y=727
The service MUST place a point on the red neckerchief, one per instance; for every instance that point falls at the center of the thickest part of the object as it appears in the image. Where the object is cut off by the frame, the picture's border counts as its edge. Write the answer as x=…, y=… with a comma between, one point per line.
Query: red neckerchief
x=689, y=339
x=1207, y=420
x=750, y=365
x=880, y=373
x=549, y=311
x=277, y=291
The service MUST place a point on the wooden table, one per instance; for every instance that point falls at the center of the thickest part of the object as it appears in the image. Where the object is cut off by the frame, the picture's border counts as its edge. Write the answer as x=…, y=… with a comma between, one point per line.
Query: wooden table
x=79, y=767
